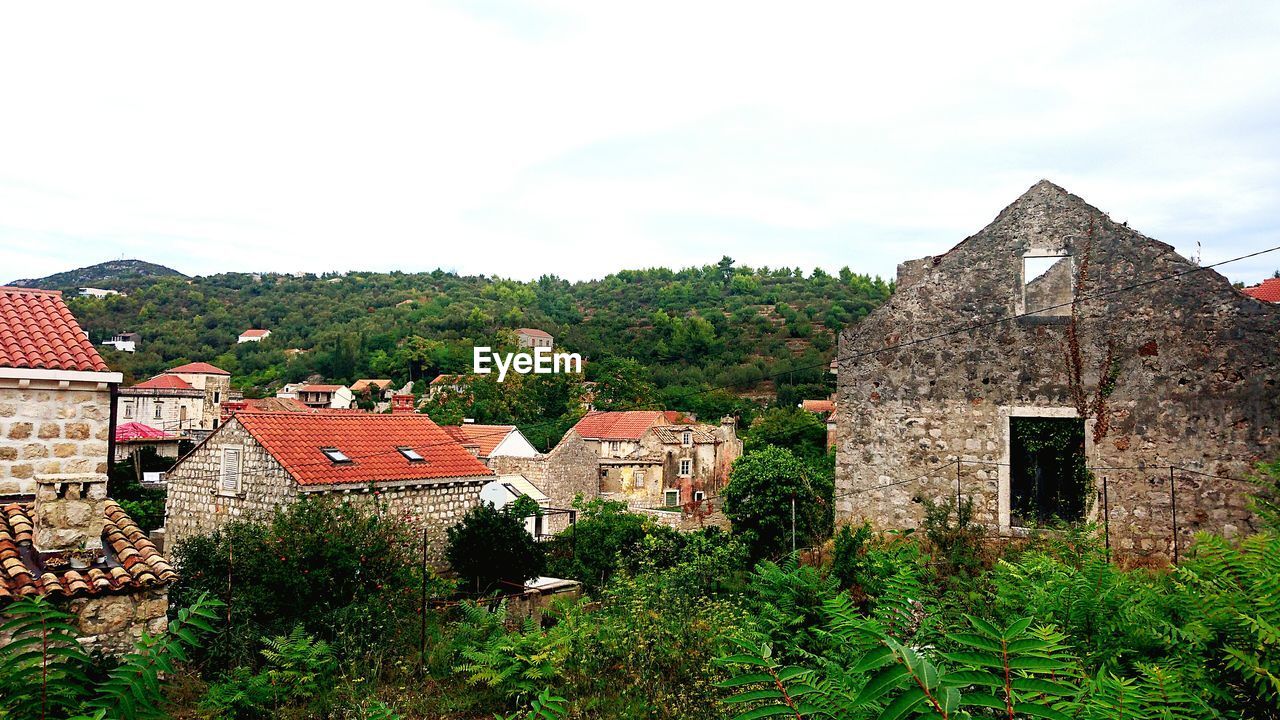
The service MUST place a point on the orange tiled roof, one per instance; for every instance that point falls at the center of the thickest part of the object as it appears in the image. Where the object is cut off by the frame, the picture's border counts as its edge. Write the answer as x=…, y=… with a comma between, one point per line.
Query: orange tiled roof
x=38, y=331
x=198, y=368
x=533, y=332
x=619, y=425
x=1269, y=290
x=295, y=440
x=319, y=388
x=165, y=382
x=131, y=561
x=447, y=379
x=362, y=383
x=819, y=406
x=486, y=437
x=254, y=333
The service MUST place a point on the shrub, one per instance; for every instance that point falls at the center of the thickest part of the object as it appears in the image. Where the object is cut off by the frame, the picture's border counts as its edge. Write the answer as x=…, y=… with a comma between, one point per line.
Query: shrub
x=598, y=544
x=758, y=501
x=491, y=548
x=346, y=573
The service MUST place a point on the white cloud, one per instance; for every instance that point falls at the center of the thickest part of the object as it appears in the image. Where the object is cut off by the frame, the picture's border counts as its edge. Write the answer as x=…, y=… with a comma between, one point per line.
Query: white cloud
x=579, y=138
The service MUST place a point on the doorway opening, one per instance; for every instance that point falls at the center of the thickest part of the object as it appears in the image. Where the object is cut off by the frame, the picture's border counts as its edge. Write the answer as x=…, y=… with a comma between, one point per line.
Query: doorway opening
x=1048, y=479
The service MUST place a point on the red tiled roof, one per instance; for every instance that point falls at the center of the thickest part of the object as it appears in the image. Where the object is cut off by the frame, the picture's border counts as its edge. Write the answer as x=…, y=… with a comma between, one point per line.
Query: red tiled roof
x=447, y=379
x=362, y=383
x=38, y=331
x=131, y=560
x=254, y=333
x=319, y=388
x=198, y=368
x=295, y=440
x=138, y=431
x=819, y=406
x=619, y=425
x=534, y=332
x=165, y=382
x=1268, y=291
x=485, y=437
x=676, y=417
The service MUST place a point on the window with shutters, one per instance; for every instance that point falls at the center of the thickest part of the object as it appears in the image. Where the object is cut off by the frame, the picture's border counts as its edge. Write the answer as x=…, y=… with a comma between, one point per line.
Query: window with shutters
x=229, y=481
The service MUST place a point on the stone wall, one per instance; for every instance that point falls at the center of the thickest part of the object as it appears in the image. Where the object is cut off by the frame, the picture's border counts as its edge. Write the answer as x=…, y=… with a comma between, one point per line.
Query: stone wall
x=47, y=429
x=572, y=468
x=111, y=624
x=196, y=504
x=1195, y=385
x=435, y=505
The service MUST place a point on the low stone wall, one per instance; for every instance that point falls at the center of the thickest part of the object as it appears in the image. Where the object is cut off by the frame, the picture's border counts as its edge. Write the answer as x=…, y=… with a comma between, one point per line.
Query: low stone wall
x=112, y=624
x=47, y=430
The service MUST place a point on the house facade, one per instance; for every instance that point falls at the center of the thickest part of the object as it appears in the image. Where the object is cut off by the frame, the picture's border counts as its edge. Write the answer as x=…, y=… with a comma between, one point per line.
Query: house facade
x=257, y=462
x=334, y=397
x=1059, y=366
x=673, y=465
x=184, y=400
x=55, y=393
x=534, y=338
x=253, y=335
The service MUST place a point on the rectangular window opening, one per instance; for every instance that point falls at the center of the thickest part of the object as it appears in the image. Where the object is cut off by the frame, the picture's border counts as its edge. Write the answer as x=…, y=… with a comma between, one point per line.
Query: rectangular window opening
x=686, y=467
x=230, y=481
x=1048, y=479
x=687, y=438
x=1048, y=285
x=336, y=456
x=671, y=498
x=410, y=454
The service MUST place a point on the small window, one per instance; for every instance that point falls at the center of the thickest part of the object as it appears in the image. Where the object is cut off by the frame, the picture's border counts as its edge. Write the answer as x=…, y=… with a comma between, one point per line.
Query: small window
x=686, y=439
x=686, y=467
x=411, y=455
x=1048, y=285
x=128, y=411
x=699, y=496
x=159, y=407
x=217, y=397
x=671, y=498
x=230, y=476
x=336, y=456
x=639, y=479
x=615, y=446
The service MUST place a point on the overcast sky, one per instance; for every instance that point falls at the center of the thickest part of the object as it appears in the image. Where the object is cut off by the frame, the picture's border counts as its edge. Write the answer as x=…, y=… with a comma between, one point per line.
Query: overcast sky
x=583, y=137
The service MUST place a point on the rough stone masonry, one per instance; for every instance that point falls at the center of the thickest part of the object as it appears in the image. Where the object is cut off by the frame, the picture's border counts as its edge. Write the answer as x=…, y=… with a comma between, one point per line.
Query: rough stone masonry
x=1194, y=369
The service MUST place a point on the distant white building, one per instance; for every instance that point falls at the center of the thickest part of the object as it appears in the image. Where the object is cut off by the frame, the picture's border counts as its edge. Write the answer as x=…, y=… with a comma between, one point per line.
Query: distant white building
x=97, y=292
x=507, y=489
x=124, y=342
x=253, y=336
x=333, y=397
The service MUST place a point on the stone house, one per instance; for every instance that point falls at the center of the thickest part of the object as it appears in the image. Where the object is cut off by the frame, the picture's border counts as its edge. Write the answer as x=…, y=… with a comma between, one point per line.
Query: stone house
x=1139, y=411
x=571, y=470
x=186, y=400
x=258, y=461
x=673, y=465
x=534, y=338
x=334, y=397
x=617, y=434
x=55, y=393
x=491, y=441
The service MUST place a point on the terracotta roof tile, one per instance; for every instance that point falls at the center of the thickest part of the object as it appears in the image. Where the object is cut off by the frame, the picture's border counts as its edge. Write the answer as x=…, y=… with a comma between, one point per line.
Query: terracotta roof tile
x=137, y=431
x=370, y=441
x=198, y=368
x=254, y=333
x=37, y=330
x=165, y=382
x=619, y=425
x=319, y=388
x=130, y=559
x=485, y=437
x=1268, y=291
x=533, y=332
x=819, y=406
x=448, y=380
x=361, y=384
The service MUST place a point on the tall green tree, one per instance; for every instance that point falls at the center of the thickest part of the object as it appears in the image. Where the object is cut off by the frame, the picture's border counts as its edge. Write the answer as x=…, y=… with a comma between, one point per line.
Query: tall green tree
x=763, y=485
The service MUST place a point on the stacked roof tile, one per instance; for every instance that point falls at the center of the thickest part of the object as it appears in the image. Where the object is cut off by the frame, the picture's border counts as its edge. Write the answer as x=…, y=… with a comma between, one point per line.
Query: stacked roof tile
x=38, y=331
x=1268, y=291
x=130, y=561
x=485, y=437
x=371, y=442
x=619, y=425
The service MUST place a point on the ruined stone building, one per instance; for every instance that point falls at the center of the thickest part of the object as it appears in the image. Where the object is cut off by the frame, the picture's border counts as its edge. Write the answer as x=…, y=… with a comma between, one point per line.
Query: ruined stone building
x=976, y=380
x=258, y=461
x=60, y=537
x=671, y=464
x=569, y=471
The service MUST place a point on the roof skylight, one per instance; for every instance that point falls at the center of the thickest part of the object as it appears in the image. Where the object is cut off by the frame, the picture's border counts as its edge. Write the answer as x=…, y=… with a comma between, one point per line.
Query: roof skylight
x=336, y=456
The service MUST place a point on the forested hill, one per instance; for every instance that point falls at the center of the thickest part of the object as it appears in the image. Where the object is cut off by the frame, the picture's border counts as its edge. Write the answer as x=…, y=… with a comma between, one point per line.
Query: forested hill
x=111, y=274
x=685, y=330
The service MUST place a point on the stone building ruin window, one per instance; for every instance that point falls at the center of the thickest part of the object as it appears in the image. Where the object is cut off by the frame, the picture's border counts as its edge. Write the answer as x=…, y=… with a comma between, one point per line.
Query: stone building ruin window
x=1048, y=480
x=1048, y=284
x=671, y=498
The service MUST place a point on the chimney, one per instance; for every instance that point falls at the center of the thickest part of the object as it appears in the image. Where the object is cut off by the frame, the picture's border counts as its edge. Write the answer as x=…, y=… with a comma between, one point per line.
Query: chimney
x=401, y=403
x=69, y=511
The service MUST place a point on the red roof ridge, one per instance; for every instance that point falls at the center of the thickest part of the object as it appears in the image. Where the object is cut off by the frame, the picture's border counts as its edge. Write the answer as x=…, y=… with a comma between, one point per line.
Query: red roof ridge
x=31, y=290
